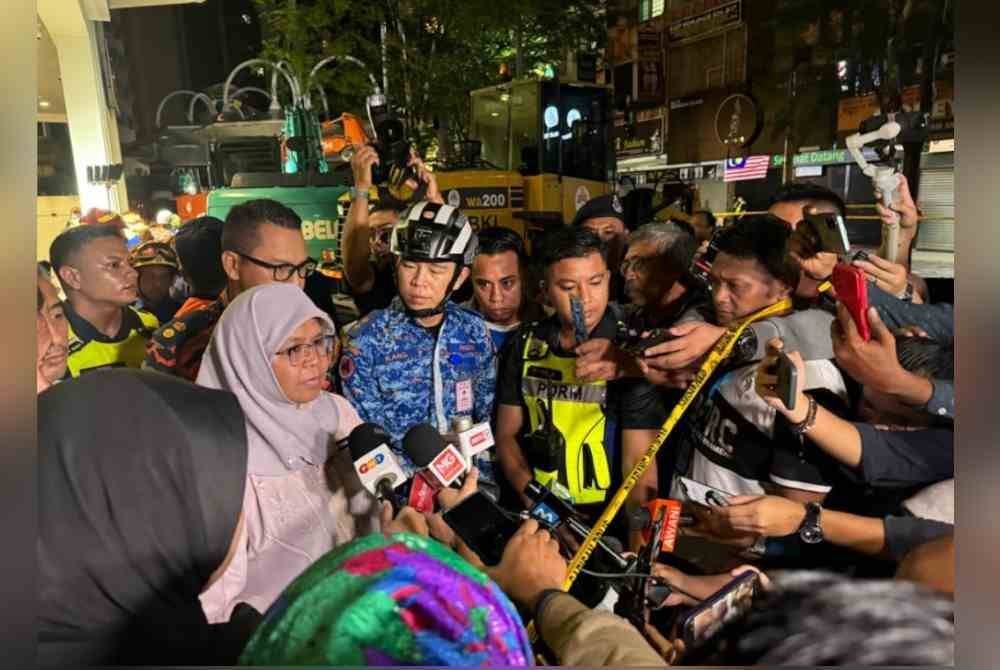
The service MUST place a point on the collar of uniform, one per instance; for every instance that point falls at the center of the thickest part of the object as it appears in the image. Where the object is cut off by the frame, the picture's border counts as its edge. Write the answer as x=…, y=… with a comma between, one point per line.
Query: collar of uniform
x=86, y=332
x=549, y=327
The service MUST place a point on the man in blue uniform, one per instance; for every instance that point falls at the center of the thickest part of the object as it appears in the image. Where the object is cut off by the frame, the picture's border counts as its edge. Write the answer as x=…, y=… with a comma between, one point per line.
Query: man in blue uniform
x=424, y=359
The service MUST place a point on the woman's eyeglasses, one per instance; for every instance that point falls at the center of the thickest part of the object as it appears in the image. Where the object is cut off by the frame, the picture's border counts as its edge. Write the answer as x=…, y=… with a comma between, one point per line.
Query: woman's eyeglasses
x=300, y=353
x=284, y=271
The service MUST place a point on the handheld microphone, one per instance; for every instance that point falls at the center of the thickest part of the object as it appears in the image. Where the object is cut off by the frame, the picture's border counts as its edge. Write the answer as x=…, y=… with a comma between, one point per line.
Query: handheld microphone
x=471, y=439
x=643, y=519
x=554, y=511
x=428, y=451
x=374, y=462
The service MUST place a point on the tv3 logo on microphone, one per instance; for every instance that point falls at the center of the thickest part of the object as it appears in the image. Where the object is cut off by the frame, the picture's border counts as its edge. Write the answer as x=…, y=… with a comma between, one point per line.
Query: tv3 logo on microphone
x=371, y=464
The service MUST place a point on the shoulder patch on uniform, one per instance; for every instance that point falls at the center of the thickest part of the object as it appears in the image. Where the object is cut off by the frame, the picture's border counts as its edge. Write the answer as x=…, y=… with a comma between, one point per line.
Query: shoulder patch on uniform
x=347, y=367
x=168, y=333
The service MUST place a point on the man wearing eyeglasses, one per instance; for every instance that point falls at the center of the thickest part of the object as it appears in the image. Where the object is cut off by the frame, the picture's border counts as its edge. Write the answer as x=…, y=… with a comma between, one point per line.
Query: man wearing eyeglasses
x=91, y=261
x=262, y=243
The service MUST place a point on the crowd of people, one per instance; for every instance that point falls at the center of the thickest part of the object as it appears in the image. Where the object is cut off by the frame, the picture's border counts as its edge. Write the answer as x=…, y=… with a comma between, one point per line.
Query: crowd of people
x=199, y=504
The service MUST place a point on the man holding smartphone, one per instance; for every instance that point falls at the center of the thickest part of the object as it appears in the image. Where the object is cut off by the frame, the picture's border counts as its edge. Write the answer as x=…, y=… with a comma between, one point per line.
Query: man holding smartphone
x=730, y=439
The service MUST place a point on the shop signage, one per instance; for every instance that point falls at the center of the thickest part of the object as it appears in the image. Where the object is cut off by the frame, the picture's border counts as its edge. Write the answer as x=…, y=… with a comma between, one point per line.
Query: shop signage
x=717, y=17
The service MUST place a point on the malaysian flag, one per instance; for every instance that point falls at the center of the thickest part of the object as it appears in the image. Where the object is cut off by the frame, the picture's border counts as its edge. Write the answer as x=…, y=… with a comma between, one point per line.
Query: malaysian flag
x=751, y=167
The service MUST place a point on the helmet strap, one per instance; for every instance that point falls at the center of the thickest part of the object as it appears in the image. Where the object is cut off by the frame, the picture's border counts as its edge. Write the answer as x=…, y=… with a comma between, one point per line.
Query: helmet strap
x=439, y=308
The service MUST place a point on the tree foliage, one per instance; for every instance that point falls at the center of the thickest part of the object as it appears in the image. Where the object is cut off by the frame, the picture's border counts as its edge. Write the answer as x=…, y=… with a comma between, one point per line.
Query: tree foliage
x=435, y=51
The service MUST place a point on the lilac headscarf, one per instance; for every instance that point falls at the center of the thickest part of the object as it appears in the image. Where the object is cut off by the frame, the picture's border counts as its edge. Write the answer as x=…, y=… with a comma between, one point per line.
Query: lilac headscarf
x=281, y=434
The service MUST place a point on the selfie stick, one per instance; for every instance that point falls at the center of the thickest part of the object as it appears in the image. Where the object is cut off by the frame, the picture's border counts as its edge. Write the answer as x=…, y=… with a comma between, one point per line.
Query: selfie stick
x=884, y=178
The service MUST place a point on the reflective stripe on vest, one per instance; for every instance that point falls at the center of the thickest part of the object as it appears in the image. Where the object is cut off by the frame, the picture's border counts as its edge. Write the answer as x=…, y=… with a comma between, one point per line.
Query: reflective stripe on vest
x=577, y=411
x=95, y=355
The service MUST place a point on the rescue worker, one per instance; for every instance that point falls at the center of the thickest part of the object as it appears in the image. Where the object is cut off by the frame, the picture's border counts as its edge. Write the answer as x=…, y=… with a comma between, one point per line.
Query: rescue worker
x=424, y=359
x=156, y=263
x=91, y=262
x=261, y=243
x=552, y=425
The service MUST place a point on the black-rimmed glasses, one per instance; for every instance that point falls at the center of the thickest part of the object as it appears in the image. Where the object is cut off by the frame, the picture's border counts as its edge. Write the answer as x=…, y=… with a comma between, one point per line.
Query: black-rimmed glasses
x=284, y=271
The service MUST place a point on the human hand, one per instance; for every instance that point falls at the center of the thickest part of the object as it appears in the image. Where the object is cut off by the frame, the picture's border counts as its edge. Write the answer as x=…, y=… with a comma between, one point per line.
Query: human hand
x=531, y=564
x=912, y=331
x=766, y=379
x=872, y=363
x=692, y=340
x=903, y=209
x=599, y=359
x=408, y=520
x=671, y=651
x=449, y=497
x=427, y=177
x=888, y=276
x=770, y=516
x=361, y=166
x=711, y=526
x=681, y=594
x=804, y=247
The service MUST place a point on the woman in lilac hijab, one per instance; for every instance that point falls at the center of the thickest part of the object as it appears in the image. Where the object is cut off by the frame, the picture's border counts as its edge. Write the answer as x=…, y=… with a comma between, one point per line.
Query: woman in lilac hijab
x=272, y=348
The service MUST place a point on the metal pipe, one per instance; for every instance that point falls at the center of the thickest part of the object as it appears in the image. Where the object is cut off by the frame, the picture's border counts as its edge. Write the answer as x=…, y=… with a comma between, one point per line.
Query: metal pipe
x=159, y=110
x=349, y=59
x=211, y=103
x=291, y=83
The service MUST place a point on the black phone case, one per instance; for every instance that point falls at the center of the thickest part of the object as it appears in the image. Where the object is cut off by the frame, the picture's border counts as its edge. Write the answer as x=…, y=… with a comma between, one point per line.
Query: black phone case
x=482, y=526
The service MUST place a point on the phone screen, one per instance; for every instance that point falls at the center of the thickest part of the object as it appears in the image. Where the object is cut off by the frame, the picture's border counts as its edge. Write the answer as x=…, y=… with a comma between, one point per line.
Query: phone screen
x=730, y=602
x=579, y=324
x=483, y=526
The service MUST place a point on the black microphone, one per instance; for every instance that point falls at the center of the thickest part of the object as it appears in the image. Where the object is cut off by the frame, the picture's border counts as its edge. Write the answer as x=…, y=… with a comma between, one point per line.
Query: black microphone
x=554, y=511
x=443, y=463
x=374, y=462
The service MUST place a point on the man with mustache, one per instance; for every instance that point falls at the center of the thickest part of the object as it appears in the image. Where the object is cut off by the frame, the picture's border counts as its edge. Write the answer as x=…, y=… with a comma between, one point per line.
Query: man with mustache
x=91, y=262
x=51, y=329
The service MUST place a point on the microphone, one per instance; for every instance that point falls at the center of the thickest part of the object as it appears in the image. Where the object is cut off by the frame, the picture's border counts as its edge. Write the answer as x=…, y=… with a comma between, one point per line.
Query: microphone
x=374, y=462
x=554, y=511
x=428, y=451
x=472, y=439
x=645, y=517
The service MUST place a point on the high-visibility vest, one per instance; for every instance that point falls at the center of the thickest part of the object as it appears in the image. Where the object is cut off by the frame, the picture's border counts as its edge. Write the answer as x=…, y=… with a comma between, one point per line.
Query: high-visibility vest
x=96, y=354
x=577, y=410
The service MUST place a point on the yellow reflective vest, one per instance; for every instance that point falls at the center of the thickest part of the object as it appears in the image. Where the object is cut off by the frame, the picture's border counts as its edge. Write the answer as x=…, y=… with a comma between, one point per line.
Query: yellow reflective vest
x=551, y=389
x=90, y=350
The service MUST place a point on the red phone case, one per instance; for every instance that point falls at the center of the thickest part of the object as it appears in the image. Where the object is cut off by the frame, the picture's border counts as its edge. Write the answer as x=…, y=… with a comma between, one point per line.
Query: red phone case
x=852, y=291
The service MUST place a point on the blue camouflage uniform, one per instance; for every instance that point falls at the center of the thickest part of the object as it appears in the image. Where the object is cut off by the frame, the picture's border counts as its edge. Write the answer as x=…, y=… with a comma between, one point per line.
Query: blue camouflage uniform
x=396, y=377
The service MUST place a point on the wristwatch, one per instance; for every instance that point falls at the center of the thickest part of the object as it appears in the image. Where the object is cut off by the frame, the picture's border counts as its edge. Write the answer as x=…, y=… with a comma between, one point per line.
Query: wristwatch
x=810, y=531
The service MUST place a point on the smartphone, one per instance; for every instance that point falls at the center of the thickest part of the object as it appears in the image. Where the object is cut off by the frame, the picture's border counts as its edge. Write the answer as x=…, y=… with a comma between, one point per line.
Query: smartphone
x=728, y=603
x=852, y=291
x=701, y=494
x=579, y=324
x=788, y=377
x=483, y=526
x=635, y=346
x=831, y=231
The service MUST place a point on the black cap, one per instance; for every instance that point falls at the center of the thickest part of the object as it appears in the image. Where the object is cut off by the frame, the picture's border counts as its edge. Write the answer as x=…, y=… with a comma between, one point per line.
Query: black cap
x=422, y=443
x=365, y=438
x=199, y=248
x=600, y=207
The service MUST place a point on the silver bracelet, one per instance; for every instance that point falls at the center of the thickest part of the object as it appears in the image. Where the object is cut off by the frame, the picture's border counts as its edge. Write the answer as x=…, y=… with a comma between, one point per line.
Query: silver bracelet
x=803, y=427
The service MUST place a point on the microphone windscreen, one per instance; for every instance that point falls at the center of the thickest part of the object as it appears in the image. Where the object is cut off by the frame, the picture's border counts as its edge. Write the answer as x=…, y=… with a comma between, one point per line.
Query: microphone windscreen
x=422, y=443
x=365, y=438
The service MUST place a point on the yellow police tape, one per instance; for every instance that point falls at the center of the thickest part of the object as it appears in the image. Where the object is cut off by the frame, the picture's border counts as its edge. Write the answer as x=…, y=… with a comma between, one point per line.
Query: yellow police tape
x=715, y=357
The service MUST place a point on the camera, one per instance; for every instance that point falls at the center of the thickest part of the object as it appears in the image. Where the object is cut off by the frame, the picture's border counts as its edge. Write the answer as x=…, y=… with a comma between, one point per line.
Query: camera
x=392, y=172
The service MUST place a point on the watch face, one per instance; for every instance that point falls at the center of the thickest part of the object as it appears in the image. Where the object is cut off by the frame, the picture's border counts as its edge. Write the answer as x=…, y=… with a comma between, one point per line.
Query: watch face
x=811, y=534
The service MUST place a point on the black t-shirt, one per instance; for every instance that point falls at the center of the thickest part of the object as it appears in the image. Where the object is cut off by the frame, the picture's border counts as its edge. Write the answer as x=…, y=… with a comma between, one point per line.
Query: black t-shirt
x=631, y=404
x=381, y=294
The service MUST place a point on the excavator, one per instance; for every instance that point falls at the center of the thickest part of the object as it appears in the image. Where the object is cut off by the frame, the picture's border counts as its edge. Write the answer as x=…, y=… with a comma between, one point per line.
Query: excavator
x=540, y=150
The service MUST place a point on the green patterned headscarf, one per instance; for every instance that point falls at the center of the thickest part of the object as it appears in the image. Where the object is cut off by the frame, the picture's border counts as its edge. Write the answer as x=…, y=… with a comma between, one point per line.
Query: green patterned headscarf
x=402, y=600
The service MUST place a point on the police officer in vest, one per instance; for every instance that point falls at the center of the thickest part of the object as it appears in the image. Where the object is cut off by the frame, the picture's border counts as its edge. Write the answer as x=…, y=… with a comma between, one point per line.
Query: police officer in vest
x=552, y=424
x=91, y=261
x=424, y=359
